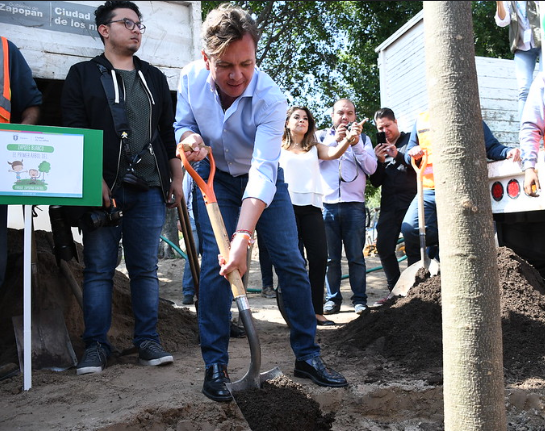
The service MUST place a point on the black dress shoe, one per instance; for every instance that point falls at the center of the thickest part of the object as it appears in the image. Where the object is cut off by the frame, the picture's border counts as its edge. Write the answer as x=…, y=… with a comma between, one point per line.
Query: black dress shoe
x=317, y=371
x=214, y=383
x=325, y=322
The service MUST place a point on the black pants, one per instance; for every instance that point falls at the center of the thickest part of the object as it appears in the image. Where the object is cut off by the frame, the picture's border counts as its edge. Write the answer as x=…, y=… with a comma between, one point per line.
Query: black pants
x=313, y=244
x=388, y=230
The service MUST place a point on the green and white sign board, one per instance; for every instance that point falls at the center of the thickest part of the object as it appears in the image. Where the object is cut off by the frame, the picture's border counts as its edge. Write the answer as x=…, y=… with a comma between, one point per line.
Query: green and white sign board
x=43, y=165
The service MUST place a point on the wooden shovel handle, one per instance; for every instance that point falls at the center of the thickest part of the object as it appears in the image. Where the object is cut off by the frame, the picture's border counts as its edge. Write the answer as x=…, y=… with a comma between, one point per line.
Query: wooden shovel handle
x=420, y=195
x=218, y=226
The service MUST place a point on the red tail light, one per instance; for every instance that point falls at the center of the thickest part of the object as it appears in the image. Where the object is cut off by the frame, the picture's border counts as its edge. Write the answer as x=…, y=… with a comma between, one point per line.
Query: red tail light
x=497, y=191
x=513, y=189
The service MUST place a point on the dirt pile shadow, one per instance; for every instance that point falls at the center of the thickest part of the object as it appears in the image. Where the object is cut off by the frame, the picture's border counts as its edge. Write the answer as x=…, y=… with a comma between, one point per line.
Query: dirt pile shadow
x=410, y=332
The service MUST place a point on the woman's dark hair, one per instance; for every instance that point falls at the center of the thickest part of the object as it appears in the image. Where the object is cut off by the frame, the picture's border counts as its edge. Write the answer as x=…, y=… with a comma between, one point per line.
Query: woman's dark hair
x=105, y=13
x=309, y=139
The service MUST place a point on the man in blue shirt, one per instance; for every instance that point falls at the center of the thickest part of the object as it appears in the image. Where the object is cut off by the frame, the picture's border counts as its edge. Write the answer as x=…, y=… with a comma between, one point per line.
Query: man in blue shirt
x=344, y=181
x=226, y=102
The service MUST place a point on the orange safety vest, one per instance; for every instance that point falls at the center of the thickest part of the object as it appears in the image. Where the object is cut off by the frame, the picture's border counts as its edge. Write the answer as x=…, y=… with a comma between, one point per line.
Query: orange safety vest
x=424, y=140
x=5, y=89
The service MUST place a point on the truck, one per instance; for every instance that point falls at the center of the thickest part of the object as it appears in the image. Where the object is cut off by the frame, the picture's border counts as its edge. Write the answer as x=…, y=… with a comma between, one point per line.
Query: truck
x=519, y=219
x=54, y=35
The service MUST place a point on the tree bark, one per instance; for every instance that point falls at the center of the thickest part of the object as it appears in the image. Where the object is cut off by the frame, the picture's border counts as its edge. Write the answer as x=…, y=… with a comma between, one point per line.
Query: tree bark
x=472, y=340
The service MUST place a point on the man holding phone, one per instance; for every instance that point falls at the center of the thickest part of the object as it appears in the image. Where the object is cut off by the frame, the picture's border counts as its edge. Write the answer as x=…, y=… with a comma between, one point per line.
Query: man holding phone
x=398, y=181
x=343, y=182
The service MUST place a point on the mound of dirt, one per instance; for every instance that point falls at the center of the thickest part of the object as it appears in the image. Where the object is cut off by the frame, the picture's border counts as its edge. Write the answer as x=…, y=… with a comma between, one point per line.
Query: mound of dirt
x=282, y=405
x=177, y=327
x=287, y=405
x=409, y=333
x=401, y=344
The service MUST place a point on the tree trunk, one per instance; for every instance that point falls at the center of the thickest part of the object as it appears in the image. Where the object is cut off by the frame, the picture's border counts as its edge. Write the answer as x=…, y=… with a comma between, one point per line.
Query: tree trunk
x=170, y=232
x=472, y=339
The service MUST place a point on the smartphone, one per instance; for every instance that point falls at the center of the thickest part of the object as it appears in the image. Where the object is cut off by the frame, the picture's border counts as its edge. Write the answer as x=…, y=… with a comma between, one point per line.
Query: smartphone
x=381, y=138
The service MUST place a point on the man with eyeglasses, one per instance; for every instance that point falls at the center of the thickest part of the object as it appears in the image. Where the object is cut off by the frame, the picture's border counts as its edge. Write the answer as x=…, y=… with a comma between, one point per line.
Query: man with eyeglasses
x=344, y=182
x=129, y=100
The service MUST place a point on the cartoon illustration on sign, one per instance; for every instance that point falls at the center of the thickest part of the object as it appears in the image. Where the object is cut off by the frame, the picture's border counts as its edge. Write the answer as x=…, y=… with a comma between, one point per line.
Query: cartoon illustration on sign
x=17, y=167
x=32, y=182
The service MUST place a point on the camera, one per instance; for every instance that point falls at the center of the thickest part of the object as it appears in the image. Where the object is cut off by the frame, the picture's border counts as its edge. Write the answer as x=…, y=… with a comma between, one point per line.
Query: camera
x=133, y=181
x=64, y=247
x=92, y=220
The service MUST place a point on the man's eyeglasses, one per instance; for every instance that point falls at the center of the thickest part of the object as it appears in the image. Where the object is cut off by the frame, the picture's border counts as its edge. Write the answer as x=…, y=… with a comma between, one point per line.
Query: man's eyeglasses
x=129, y=24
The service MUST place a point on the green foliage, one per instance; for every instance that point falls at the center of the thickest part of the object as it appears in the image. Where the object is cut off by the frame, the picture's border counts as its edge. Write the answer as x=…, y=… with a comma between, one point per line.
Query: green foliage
x=320, y=51
x=490, y=40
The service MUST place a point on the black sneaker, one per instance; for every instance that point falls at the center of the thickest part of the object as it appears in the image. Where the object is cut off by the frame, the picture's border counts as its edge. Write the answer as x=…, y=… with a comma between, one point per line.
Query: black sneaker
x=151, y=353
x=93, y=360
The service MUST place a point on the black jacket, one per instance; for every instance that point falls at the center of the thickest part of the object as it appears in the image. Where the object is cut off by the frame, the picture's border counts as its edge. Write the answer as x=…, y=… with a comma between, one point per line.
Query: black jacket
x=398, y=180
x=84, y=105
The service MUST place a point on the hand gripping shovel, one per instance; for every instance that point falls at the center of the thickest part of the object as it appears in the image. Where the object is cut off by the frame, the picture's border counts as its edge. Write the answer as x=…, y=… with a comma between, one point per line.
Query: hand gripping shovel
x=408, y=277
x=253, y=378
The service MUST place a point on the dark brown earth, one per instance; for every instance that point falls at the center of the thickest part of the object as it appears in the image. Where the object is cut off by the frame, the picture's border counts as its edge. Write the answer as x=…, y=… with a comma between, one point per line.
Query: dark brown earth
x=409, y=333
x=400, y=343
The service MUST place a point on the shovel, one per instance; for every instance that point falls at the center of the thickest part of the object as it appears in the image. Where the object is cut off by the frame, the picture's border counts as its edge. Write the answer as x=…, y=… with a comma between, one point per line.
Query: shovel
x=51, y=346
x=253, y=378
x=408, y=276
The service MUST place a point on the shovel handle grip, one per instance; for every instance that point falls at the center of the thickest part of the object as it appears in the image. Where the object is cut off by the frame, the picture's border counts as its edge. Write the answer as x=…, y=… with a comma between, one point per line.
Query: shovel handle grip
x=207, y=188
x=214, y=214
x=423, y=164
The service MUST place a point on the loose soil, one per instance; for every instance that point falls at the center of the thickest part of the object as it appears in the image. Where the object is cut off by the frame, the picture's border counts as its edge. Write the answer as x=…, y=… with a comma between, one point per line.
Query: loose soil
x=391, y=357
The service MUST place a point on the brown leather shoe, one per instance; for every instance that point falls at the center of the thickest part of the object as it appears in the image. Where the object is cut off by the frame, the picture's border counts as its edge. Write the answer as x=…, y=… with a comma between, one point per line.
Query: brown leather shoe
x=214, y=383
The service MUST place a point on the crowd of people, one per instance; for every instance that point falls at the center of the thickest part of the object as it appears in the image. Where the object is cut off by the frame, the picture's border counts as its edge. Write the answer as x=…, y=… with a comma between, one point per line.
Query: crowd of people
x=301, y=189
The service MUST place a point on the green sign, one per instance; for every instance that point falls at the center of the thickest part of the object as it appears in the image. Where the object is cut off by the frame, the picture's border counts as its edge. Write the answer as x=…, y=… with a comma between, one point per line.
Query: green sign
x=50, y=165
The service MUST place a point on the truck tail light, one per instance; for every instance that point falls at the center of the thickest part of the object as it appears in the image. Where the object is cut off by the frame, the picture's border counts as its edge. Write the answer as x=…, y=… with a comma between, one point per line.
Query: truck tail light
x=497, y=191
x=513, y=189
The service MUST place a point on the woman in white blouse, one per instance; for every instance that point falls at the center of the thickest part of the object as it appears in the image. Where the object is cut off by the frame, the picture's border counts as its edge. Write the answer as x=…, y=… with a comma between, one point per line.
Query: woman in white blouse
x=299, y=160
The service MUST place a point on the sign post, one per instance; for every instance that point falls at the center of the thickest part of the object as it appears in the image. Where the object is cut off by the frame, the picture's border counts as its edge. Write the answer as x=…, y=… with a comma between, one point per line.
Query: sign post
x=46, y=166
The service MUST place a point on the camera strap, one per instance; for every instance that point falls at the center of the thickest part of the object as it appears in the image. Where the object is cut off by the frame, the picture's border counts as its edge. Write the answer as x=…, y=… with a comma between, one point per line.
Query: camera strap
x=119, y=115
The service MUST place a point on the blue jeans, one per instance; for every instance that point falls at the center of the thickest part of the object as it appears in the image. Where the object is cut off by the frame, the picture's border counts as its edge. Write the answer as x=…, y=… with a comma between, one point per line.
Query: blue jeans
x=188, y=286
x=143, y=218
x=525, y=64
x=409, y=227
x=278, y=232
x=345, y=224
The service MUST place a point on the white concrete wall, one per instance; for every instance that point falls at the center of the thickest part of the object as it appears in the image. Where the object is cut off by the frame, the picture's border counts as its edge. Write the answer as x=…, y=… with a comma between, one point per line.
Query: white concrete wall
x=51, y=40
x=403, y=83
